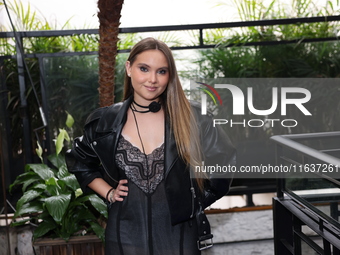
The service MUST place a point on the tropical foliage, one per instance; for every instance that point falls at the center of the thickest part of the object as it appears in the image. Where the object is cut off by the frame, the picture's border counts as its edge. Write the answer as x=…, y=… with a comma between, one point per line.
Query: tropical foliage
x=52, y=199
x=298, y=59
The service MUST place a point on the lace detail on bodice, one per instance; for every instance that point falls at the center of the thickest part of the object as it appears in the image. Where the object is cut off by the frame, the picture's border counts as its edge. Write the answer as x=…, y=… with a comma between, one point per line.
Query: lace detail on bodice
x=132, y=161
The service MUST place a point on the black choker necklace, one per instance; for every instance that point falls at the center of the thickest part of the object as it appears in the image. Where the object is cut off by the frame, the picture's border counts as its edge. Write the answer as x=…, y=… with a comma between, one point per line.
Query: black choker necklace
x=153, y=107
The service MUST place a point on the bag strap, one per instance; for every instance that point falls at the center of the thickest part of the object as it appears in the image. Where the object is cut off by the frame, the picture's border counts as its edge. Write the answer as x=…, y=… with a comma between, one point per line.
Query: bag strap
x=205, y=238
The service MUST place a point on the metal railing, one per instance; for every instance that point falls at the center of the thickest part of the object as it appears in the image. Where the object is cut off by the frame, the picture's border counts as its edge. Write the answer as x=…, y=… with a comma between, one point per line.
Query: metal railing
x=199, y=27
x=294, y=209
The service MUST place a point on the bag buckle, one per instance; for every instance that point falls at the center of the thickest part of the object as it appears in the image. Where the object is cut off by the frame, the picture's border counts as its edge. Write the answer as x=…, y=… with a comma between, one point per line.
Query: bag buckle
x=204, y=242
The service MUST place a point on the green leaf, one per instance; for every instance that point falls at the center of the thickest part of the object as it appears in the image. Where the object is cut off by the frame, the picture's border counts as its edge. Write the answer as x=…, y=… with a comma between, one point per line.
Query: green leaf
x=19, y=223
x=43, y=228
x=39, y=151
x=69, y=120
x=83, y=216
x=27, y=197
x=67, y=137
x=63, y=172
x=98, y=230
x=60, y=141
x=99, y=205
x=30, y=181
x=33, y=207
x=42, y=170
x=57, y=206
x=71, y=182
x=40, y=186
x=52, y=186
x=63, y=135
x=25, y=179
x=58, y=160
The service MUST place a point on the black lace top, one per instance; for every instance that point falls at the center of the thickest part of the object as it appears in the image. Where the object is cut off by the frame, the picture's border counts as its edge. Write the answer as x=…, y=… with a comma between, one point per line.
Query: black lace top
x=141, y=224
x=145, y=174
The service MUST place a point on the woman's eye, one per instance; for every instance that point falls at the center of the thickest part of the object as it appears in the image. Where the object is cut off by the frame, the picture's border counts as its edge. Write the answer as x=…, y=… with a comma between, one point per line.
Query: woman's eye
x=162, y=71
x=143, y=69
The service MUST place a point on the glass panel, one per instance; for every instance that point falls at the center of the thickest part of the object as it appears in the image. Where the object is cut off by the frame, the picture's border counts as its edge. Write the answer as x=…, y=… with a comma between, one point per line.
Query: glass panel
x=314, y=181
x=71, y=85
x=322, y=195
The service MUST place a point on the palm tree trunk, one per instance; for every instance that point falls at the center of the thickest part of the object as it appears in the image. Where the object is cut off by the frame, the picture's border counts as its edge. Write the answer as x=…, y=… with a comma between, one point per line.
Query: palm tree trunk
x=109, y=16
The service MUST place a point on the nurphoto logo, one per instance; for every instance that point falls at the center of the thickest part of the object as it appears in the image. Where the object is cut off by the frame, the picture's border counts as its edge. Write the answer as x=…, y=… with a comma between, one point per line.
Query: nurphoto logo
x=211, y=91
x=243, y=103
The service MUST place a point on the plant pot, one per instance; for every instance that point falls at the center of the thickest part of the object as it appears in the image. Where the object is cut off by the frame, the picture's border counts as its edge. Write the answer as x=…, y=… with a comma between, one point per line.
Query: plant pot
x=84, y=245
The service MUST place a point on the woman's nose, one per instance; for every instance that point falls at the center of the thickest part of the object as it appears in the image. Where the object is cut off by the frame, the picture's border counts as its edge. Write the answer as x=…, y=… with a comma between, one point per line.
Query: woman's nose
x=153, y=78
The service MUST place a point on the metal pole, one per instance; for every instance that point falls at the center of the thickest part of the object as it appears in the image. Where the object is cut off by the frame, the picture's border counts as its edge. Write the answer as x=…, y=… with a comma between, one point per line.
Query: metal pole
x=23, y=104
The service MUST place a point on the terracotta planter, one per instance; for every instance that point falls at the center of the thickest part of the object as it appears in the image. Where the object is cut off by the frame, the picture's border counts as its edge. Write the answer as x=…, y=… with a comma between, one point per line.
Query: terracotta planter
x=78, y=245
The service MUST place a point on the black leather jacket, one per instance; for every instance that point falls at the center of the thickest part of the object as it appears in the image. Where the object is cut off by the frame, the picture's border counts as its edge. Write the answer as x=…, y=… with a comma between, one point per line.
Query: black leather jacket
x=93, y=156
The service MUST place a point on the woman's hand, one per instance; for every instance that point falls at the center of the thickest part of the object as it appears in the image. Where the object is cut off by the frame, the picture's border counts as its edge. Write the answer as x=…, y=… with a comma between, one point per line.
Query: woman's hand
x=119, y=193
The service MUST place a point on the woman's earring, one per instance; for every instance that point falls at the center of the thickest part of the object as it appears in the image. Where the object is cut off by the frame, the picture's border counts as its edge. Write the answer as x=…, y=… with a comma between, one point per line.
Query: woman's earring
x=129, y=74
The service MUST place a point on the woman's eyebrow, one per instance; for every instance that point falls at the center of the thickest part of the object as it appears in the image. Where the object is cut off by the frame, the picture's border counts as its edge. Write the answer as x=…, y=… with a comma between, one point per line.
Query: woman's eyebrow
x=146, y=65
x=143, y=64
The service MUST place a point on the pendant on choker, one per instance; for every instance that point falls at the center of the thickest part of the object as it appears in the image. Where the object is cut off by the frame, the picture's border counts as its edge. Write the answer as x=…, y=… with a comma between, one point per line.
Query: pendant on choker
x=152, y=107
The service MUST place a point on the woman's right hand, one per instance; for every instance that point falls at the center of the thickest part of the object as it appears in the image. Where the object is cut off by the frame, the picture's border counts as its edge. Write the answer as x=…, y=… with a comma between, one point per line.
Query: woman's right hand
x=120, y=192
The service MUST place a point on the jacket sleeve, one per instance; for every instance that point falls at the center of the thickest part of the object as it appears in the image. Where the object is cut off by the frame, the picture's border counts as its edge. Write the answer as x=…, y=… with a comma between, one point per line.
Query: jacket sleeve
x=81, y=160
x=219, y=154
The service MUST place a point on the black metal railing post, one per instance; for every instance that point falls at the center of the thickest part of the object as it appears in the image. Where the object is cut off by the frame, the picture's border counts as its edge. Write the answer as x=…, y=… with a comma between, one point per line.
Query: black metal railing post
x=23, y=102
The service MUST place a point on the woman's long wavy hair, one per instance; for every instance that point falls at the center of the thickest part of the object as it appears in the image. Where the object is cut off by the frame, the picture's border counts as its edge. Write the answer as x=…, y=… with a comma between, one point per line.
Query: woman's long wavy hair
x=177, y=108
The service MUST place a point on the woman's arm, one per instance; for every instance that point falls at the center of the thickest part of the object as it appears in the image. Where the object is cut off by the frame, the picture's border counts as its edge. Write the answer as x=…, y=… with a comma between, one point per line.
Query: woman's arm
x=102, y=188
x=217, y=151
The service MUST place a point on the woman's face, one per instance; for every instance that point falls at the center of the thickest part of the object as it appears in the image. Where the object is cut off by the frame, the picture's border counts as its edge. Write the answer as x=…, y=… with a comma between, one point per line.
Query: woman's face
x=149, y=75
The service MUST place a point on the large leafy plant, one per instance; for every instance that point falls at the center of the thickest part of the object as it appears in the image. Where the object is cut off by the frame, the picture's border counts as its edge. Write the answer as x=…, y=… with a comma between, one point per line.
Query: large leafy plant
x=53, y=201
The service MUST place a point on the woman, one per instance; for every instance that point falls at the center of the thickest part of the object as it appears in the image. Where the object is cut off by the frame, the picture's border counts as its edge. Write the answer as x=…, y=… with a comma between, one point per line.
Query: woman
x=138, y=154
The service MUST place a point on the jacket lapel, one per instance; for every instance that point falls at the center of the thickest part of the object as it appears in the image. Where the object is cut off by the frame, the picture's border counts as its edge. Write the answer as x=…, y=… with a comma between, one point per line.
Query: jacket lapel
x=108, y=131
x=171, y=154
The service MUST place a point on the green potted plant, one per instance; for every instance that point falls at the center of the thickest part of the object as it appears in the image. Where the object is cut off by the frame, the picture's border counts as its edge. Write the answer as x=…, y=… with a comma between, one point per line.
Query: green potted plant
x=53, y=201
